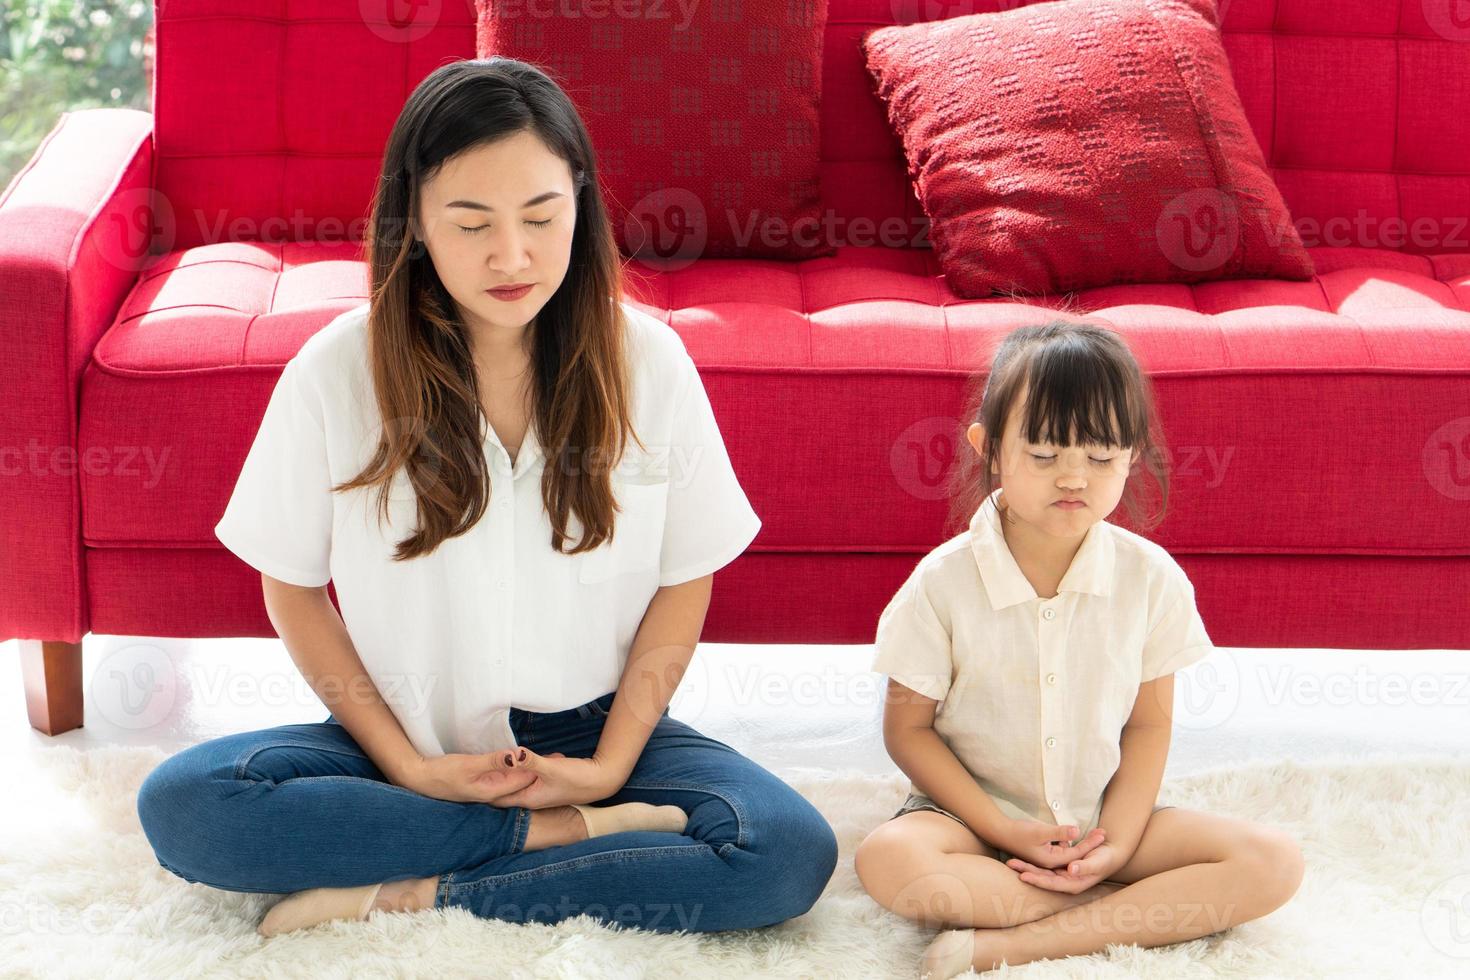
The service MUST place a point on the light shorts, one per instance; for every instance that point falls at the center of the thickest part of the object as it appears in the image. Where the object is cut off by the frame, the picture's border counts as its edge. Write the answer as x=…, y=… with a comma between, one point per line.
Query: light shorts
x=917, y=802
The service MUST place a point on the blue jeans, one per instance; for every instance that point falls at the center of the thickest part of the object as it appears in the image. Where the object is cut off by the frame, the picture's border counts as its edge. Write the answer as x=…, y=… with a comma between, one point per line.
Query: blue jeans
x=301, y=806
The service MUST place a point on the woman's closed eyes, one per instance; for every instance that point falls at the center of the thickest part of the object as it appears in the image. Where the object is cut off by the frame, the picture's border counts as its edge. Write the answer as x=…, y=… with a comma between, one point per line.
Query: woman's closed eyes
x=471, y=231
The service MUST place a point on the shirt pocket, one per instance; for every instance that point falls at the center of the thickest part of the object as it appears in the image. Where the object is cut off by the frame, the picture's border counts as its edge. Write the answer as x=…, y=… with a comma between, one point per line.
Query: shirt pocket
x=638, y=533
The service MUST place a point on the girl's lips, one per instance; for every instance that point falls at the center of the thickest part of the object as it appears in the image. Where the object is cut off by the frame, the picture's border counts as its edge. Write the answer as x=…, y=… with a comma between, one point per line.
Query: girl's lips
x=1070, y=504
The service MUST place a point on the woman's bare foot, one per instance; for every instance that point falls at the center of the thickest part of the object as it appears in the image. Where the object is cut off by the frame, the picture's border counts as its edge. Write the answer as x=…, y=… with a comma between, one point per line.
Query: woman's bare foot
x=553, y=826
x=407, y=895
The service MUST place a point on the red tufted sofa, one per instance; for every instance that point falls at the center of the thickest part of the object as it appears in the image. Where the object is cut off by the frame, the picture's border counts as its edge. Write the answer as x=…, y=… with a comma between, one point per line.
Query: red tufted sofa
x=1319, y=430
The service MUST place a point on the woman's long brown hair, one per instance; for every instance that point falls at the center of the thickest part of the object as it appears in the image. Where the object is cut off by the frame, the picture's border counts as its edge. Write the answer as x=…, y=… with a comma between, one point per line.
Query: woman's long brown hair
x=419, y=351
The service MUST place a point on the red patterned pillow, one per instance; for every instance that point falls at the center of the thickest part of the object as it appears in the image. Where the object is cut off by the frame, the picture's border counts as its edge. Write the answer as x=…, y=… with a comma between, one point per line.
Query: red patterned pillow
x=1080, y=143
x=705, y=119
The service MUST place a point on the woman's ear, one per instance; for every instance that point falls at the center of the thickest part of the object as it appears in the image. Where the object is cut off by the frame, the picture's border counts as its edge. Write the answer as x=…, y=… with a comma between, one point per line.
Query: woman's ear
x=417, y=248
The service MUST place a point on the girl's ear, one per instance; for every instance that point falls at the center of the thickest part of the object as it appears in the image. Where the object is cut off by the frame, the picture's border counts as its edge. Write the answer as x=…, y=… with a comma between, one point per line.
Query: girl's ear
x=975, y=434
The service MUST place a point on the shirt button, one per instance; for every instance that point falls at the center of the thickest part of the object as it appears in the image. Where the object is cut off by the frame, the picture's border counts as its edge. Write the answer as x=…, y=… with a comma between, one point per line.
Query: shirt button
x=1050, y=742
x=1048, y=614
x=1055, y=805
x=502, y=584
x=1051, y=678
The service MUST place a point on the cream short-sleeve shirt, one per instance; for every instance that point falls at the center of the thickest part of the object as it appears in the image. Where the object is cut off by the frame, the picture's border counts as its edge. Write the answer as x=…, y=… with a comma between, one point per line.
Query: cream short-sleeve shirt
x=494, y=618
x=1034, y=692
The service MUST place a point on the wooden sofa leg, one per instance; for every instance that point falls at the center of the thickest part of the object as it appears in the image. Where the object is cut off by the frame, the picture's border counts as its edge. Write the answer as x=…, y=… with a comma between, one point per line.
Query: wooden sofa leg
x=53, y=680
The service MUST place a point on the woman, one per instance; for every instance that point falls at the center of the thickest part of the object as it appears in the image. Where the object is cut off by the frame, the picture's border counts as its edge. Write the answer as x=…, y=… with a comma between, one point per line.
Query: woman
x=518, y=601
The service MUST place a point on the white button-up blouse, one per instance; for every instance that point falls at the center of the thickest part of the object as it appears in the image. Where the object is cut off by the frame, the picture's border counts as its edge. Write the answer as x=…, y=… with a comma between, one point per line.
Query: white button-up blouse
x=1034, y=692
x=495, y=618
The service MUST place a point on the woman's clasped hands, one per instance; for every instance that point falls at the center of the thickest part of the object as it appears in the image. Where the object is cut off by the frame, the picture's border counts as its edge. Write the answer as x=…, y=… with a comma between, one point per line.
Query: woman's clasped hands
x=510, y=777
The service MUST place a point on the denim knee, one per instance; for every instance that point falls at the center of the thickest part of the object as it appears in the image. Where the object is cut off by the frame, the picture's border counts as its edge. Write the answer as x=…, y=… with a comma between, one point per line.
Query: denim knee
x=796, y=869
x=168, y=812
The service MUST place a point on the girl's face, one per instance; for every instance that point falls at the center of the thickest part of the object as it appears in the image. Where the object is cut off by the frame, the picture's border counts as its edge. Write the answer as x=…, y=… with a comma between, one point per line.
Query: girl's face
x=1034, y=476
x=499, y=214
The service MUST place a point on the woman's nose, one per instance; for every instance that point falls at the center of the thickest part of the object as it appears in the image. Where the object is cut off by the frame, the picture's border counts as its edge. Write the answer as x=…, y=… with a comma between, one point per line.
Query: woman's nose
x=508, y=252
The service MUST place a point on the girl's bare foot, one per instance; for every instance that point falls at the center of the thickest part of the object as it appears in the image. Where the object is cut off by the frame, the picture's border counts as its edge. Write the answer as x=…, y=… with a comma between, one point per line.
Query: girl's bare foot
x=956, y=951
x=949, y=954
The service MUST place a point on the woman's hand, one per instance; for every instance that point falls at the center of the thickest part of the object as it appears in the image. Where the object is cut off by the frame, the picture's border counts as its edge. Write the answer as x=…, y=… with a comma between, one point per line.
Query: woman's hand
x=465, y=777
x=1076, y=877
x=1045, y=845
x=560, y=781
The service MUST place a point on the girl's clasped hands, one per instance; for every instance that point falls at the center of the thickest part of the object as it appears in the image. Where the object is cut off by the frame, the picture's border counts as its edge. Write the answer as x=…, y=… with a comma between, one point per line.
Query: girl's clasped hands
x=1046, y=862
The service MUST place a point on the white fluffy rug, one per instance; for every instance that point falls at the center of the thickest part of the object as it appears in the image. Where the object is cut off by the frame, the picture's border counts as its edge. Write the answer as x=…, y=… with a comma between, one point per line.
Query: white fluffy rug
x=1386, y=893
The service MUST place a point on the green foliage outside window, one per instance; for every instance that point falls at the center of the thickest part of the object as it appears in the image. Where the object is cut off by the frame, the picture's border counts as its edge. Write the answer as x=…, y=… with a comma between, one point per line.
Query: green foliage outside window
x=61, y=55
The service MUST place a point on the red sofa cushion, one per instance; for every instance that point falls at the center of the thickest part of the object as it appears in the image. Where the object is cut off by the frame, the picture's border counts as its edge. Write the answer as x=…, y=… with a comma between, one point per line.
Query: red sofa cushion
x=1349, y=103
x=1082, y=142
x=869, y=344
x=707, y=132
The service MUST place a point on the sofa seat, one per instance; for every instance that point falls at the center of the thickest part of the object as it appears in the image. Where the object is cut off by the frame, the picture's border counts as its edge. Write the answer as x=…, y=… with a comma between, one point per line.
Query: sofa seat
x=842, y=379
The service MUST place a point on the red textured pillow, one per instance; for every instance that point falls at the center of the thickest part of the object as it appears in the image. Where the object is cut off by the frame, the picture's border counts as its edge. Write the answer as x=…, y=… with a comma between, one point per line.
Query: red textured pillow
x=1080, y=143
x=705, y=120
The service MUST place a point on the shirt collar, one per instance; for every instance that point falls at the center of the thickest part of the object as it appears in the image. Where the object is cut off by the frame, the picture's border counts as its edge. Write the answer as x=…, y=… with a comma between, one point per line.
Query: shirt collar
x=1091, y=569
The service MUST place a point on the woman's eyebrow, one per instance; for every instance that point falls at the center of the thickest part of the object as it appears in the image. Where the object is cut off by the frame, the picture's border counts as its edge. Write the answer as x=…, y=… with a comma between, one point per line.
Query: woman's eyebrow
x=477, y=206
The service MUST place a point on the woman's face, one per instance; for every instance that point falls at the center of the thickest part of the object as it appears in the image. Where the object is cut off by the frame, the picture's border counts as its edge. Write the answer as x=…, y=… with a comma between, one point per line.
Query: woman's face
x=494, y=215
x=1034, y=476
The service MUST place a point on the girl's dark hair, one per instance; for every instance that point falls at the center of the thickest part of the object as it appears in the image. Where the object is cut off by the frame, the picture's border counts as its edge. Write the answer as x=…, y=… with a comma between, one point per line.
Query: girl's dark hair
x=1082, y=385
x=420, y=353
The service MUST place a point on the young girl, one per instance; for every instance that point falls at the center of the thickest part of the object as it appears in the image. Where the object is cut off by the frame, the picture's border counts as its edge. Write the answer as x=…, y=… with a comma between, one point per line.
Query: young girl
x=1030, y=664
x=521, y=587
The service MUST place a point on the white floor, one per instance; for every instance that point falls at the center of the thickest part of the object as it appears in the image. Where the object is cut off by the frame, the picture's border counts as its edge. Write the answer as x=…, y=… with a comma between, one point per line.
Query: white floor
x=795, y=709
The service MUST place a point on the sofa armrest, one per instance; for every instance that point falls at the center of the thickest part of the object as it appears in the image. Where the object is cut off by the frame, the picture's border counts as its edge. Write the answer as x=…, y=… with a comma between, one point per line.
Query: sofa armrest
x=74, y=231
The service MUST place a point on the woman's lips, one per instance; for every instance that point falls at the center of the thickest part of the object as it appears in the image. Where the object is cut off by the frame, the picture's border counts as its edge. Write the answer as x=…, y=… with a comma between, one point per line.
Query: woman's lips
x=510, y=294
